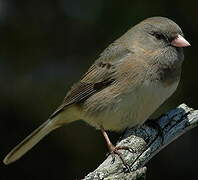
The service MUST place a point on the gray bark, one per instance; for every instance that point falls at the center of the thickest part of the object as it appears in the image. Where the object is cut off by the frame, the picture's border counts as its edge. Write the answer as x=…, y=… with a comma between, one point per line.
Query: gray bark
x=145, y=142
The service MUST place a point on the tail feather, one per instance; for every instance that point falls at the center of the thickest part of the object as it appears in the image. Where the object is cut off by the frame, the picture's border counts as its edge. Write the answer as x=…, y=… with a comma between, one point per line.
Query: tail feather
x=30, y=141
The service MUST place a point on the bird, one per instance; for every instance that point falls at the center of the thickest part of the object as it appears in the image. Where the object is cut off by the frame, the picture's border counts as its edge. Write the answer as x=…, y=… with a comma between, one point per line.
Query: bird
x=129, y=80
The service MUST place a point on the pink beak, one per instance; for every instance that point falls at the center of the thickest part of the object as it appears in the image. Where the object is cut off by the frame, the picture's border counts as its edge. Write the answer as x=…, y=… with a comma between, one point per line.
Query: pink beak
x=179, y=41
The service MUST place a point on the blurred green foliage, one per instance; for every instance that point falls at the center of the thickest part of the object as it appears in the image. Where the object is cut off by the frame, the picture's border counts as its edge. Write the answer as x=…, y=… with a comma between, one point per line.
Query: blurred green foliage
x=45, y=46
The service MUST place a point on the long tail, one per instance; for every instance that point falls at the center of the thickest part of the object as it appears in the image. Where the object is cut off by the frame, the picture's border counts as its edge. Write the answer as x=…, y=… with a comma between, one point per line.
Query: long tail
x=30, y=141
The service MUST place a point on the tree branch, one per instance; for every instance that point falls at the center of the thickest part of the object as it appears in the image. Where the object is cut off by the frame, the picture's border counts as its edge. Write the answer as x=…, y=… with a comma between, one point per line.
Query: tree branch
x=146, y=141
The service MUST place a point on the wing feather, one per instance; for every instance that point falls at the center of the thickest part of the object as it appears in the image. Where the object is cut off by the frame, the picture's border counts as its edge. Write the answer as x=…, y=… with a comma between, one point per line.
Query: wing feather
x=98, y=77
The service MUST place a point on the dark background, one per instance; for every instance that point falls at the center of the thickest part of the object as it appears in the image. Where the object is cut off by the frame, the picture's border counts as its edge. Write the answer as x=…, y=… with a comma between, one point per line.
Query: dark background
x=45, y=46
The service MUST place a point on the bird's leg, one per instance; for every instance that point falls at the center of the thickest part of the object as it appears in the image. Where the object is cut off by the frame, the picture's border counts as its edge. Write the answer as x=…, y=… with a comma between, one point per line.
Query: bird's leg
x=115, y=150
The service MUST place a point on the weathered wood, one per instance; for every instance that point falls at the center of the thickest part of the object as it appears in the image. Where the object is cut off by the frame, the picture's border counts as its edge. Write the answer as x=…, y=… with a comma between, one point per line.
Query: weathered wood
x=145, y=142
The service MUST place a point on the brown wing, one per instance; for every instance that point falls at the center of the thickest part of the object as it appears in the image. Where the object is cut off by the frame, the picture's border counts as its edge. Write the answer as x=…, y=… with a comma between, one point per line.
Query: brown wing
x=98, y=77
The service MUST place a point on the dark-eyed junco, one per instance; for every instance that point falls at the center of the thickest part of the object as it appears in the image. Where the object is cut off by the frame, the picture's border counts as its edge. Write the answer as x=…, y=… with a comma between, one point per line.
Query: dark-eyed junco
x=131, y=78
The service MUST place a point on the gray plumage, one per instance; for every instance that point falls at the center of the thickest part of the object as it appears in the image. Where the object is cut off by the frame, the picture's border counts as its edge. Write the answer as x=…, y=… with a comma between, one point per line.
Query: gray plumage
x=126, y=84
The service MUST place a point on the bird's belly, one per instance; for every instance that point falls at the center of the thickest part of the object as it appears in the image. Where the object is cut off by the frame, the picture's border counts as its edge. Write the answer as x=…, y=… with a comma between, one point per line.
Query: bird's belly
x=131, y=109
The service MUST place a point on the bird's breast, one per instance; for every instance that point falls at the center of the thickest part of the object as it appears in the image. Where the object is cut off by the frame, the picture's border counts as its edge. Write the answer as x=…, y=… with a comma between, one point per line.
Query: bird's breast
x=129, y=109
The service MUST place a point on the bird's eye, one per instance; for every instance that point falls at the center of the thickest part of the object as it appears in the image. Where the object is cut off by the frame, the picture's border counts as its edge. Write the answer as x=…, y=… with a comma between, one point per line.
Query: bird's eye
x=158, y=35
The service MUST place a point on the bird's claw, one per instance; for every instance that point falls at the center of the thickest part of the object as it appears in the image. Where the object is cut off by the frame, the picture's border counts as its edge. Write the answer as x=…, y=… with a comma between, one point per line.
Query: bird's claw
x=115, y=151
